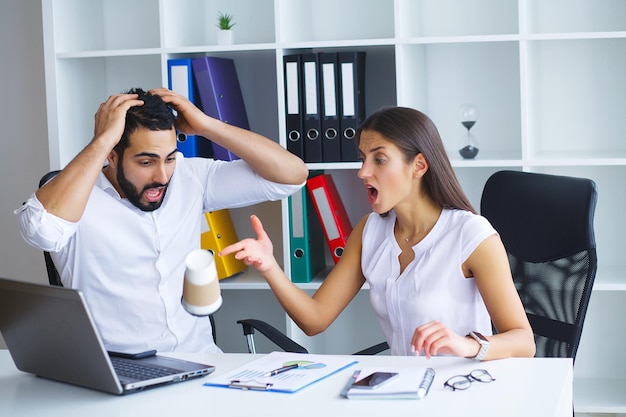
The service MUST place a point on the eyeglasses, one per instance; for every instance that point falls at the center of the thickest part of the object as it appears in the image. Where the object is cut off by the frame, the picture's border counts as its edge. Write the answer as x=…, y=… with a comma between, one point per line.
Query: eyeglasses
x=461, y=382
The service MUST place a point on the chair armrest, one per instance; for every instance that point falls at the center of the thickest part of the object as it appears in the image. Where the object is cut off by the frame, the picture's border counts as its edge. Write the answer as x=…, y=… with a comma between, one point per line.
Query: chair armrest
x=272, y=333
x=373, y=350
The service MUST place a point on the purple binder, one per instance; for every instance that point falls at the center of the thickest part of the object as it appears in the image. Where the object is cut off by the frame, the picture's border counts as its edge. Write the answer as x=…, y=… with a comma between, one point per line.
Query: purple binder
x=220, y=96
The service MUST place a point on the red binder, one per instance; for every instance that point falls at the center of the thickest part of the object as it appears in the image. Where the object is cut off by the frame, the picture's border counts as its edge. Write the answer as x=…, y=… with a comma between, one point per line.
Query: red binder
x=331, y=213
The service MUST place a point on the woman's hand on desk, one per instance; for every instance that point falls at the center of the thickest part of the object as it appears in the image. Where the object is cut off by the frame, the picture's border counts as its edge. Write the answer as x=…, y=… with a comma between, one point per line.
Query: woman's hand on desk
x=435, y=338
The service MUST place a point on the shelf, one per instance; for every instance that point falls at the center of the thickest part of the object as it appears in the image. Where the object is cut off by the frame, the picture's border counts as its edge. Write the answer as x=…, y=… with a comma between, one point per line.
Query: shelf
x=559, y=159
x=597, y=395
x=578, y=160
x=252, y=280
x=458, y=39
x=247, y=280
x=209, y=47
x=107, y=53
x=610, y=281
x=482, y=161
x=547, y=77
x=574, y=35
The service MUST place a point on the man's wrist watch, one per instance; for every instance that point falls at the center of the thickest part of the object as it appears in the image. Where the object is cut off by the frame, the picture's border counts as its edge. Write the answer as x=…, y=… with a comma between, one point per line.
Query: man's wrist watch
x=484, y=345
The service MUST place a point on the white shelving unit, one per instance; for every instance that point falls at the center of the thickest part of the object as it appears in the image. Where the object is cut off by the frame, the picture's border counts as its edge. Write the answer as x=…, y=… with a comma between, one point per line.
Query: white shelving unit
x=547, y=77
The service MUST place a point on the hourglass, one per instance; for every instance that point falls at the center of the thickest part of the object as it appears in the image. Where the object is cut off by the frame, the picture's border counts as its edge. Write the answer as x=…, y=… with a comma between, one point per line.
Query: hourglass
x=468, y=147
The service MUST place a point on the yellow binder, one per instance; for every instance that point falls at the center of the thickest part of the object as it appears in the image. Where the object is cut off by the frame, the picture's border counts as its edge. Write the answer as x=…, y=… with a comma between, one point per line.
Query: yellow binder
x=221, y=233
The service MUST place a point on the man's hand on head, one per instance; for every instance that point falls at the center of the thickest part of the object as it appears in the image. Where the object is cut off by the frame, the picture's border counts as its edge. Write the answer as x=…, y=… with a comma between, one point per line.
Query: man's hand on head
x=110, y=118
x=190, y=119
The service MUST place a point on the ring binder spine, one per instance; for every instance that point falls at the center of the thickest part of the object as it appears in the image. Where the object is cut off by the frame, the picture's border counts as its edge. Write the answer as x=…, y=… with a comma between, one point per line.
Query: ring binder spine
x=312, y=125
x=293, y=104
x=352, y=108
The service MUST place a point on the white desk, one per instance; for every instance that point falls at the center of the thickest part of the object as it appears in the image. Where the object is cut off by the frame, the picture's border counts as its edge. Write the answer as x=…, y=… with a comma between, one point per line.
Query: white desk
x=523, y=387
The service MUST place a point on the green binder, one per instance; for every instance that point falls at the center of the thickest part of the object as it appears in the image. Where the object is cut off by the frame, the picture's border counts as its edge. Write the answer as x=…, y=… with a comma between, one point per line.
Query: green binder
x=306, y=238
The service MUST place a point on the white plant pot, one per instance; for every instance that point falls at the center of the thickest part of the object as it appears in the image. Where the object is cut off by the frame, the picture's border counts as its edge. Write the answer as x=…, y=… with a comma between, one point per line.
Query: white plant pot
x=225, y=37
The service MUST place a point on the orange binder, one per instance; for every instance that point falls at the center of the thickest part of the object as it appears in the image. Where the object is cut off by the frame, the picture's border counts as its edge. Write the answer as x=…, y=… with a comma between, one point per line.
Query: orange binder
x=221, y=233
x=331, y=212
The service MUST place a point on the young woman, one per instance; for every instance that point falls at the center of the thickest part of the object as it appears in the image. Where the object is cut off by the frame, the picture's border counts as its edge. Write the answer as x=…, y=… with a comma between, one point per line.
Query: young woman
x=437, y=271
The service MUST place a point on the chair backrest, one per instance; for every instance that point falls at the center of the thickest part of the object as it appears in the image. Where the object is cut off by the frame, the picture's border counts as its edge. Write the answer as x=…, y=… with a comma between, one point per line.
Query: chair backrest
x=53, y=274
x=546, y=225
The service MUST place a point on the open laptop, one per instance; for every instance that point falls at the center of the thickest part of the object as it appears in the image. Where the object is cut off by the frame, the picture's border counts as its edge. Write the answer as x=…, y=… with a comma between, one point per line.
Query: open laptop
x=49, y=332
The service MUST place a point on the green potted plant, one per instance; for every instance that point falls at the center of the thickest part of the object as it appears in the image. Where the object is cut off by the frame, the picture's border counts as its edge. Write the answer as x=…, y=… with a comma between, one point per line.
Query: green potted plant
x=225, y=34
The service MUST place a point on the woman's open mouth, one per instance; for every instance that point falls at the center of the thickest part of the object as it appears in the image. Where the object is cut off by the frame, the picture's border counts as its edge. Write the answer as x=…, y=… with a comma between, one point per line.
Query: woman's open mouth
x=372, y=194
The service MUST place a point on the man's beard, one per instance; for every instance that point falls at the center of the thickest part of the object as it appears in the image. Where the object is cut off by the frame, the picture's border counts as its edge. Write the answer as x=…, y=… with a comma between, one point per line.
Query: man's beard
x=134, y=196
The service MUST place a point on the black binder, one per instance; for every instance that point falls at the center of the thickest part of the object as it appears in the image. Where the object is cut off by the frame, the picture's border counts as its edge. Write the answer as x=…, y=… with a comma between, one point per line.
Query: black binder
x=311, y=120
x=352, y=103
x=294, y=104
x=329, y=106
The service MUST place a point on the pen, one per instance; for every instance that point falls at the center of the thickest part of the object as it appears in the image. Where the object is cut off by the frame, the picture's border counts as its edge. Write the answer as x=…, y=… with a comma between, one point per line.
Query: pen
x=281, y=370
x=353, y=378
x=427, y=381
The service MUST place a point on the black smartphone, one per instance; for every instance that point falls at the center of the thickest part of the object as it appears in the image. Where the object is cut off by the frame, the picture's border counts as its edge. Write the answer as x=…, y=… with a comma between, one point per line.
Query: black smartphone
x=133, y=355
x=375, y=380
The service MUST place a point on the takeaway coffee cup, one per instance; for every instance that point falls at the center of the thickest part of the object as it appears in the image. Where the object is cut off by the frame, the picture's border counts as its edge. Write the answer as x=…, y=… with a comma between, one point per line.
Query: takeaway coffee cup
x=201, y=289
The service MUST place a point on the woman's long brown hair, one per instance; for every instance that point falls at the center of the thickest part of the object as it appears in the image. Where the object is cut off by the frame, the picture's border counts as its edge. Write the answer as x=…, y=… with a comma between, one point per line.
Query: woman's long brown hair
x=413, y=132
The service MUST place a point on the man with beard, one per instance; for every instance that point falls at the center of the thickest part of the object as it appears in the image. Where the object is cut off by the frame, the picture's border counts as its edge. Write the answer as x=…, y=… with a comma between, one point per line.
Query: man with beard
x=121, y=233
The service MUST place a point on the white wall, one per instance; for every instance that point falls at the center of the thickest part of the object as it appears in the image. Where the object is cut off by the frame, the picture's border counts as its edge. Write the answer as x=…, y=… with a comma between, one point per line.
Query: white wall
x=23, y=131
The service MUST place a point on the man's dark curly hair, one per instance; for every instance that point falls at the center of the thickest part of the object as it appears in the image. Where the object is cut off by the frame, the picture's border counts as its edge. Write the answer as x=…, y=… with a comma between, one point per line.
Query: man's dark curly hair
x=155, y=114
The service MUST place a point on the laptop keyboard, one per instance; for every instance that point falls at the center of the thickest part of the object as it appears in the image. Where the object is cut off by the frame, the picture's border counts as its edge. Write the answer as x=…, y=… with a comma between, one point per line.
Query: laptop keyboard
x=129, y=369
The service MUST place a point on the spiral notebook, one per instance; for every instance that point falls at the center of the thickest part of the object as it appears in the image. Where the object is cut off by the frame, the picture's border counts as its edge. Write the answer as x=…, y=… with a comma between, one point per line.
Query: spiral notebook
x=411, y=383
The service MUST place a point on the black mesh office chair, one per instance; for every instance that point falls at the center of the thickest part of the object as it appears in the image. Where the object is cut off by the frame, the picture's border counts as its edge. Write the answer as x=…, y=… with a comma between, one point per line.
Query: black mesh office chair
x=546, y=224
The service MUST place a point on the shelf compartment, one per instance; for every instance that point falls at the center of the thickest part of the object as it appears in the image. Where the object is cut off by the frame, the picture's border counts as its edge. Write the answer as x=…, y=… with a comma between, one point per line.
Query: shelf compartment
x=256, y=72
x=103, y=24
x=576, y=69
x=357, y=206
x=575, y=16
x=334, y=20
x=380, y=85
x=380, y=73
x=425, y=18
x=486, y=74
x=193, y=22
x=82, y=85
